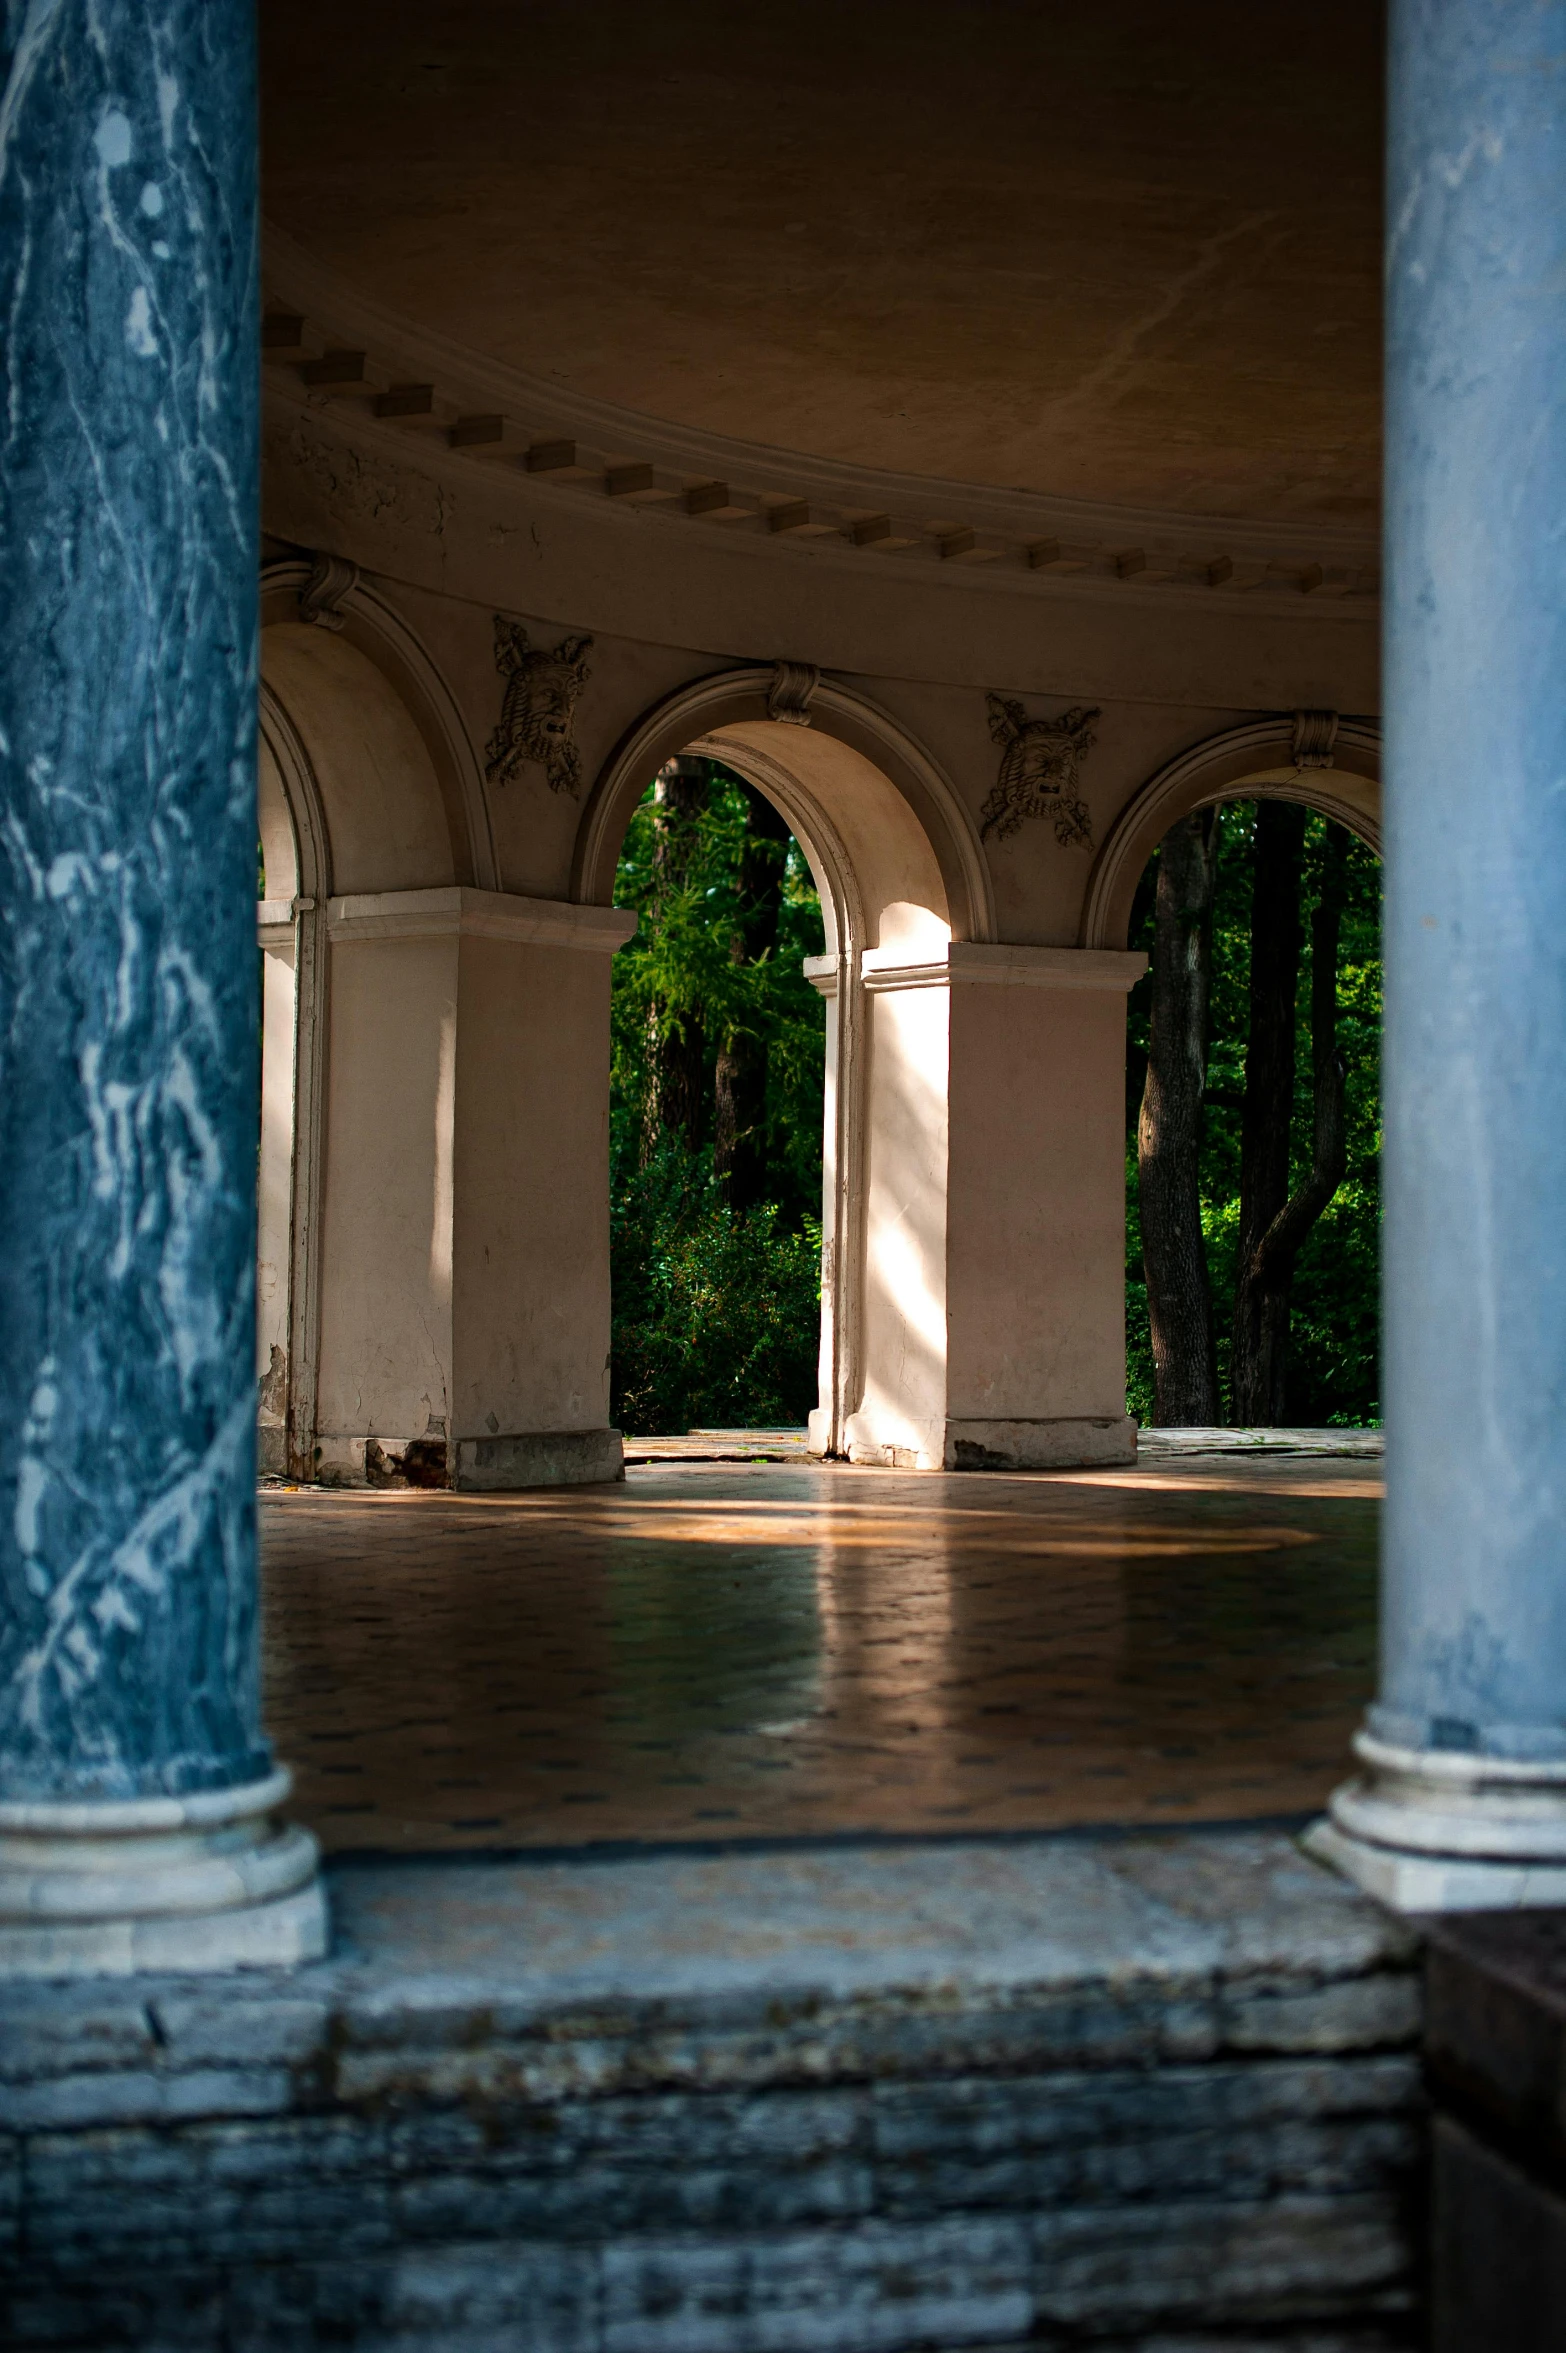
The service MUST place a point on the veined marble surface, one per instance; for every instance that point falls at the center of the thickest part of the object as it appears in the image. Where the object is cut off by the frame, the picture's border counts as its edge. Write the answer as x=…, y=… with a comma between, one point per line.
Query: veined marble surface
x=128, y=1073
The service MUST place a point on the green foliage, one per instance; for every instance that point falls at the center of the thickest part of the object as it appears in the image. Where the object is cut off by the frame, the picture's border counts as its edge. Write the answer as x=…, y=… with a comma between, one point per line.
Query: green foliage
x=1334, y=1347
x=716, y=1314
x=681, y=961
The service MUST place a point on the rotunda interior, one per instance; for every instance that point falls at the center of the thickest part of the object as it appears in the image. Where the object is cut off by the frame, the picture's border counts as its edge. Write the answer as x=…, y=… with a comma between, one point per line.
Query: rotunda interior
x=949, y=1863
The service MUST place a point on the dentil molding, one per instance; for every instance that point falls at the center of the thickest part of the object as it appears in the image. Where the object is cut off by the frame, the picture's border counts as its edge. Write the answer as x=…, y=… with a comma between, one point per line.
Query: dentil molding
x=392, y=378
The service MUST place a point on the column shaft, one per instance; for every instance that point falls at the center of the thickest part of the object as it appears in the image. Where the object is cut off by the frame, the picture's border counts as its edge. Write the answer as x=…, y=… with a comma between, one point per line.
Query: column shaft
x=128, y=990
x=1465, y=1750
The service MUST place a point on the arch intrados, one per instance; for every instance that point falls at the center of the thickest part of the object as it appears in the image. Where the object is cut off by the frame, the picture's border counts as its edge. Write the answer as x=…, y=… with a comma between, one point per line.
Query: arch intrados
x=309, y=844
x=826, y=853
x=1243, y=764
x=275, y=822
x=727, y=717
x=375, y=629
x=390, y=826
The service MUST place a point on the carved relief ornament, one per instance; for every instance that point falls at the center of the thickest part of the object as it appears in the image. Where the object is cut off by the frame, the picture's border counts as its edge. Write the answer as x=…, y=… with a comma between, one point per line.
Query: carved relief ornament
x=1315, y=733
x=1039, y=771
x=538, y=715
x=331, y=579
x=788, y=697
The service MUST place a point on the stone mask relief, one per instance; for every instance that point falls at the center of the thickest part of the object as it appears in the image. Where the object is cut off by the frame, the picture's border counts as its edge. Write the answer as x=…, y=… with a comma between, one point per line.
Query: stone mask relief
x=1040, y=760
x=538, y=716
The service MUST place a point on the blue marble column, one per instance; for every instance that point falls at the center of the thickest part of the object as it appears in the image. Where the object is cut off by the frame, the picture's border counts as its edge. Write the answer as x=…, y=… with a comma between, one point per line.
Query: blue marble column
x=128, y=990
x=1463, y=1795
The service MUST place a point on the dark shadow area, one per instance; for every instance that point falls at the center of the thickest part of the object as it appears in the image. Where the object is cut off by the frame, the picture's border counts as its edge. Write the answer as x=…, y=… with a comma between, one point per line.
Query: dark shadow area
x=1253, y=1137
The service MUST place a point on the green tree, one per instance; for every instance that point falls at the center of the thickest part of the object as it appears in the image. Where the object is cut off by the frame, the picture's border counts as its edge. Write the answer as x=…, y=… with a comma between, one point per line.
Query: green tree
x=1169, y=1126
x=716, y=1286
x=1333, y=1373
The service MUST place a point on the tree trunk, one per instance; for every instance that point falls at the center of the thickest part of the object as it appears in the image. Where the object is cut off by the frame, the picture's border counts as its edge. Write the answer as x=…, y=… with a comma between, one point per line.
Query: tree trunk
x=676, y=1043
x=1142, y=905
x=739, y=1154
x=1269, y=1103
x=1273, y=1226
x=1169, y=1129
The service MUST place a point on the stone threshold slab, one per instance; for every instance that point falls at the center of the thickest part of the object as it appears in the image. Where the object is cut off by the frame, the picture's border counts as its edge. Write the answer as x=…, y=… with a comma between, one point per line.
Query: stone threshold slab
x=1180, y=1944
x=1352, y=1445
x=1151, y=1445
x=721, y=1446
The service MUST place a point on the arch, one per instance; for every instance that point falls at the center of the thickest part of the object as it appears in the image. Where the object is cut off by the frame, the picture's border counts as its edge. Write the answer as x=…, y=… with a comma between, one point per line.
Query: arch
x=1242, y=764
x=316, y=613
x=367, y=781
x=843, y=762
x=295, y=841
x=296, y=854
x=897, y=865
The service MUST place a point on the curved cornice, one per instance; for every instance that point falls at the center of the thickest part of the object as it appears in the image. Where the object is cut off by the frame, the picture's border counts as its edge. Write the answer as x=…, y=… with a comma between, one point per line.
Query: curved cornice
x=325, y=342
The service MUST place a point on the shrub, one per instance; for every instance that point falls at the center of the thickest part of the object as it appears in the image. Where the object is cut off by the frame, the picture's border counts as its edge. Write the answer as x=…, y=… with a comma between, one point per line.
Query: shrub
x=716, y=1314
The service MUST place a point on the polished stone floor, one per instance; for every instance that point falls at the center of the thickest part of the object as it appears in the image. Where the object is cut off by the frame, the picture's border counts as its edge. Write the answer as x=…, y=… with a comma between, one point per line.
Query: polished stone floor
x=722, y=1651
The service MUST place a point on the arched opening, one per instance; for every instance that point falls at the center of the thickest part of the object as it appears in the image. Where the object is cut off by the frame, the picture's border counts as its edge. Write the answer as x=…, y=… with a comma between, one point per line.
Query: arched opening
x=1330, y=763
x=1253, y=1099
x=360, y=794
x=277, y=923
x=717, y=1085
x=897, y=877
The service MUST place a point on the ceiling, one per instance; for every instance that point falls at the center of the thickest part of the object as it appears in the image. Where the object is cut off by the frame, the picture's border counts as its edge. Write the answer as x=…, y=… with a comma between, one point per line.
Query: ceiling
x=1115, y=250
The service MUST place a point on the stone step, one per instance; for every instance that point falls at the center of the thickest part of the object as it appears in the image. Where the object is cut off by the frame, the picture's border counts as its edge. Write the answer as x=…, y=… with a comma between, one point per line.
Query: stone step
x=1149, y=2091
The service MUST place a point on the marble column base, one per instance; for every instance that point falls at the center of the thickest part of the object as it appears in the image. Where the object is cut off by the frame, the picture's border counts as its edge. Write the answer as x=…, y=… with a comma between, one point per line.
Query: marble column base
x=198, y=1883
x=1437, y=1830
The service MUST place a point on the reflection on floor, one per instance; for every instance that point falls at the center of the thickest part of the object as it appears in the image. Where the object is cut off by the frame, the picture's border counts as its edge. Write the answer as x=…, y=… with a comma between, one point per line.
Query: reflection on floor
x=735, y=1651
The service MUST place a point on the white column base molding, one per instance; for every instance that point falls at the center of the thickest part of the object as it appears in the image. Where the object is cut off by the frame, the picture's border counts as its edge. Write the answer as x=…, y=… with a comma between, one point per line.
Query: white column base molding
x=1438, y=1830
x=539, y=1458
x=1064, y=1444
x=894, y=1442
x=1070, y=1443
x=199, y=1883
x=1427, y=1883
x=525, y=1458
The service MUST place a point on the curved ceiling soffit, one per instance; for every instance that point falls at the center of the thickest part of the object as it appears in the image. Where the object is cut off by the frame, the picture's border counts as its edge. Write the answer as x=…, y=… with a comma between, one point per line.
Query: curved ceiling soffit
x=330, y=593
x=1241, y=764
x=401, y=384
x=699, y=713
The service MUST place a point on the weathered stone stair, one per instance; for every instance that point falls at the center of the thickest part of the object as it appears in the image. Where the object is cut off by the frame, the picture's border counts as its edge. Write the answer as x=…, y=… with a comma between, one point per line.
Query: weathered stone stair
x=1152, y=2092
